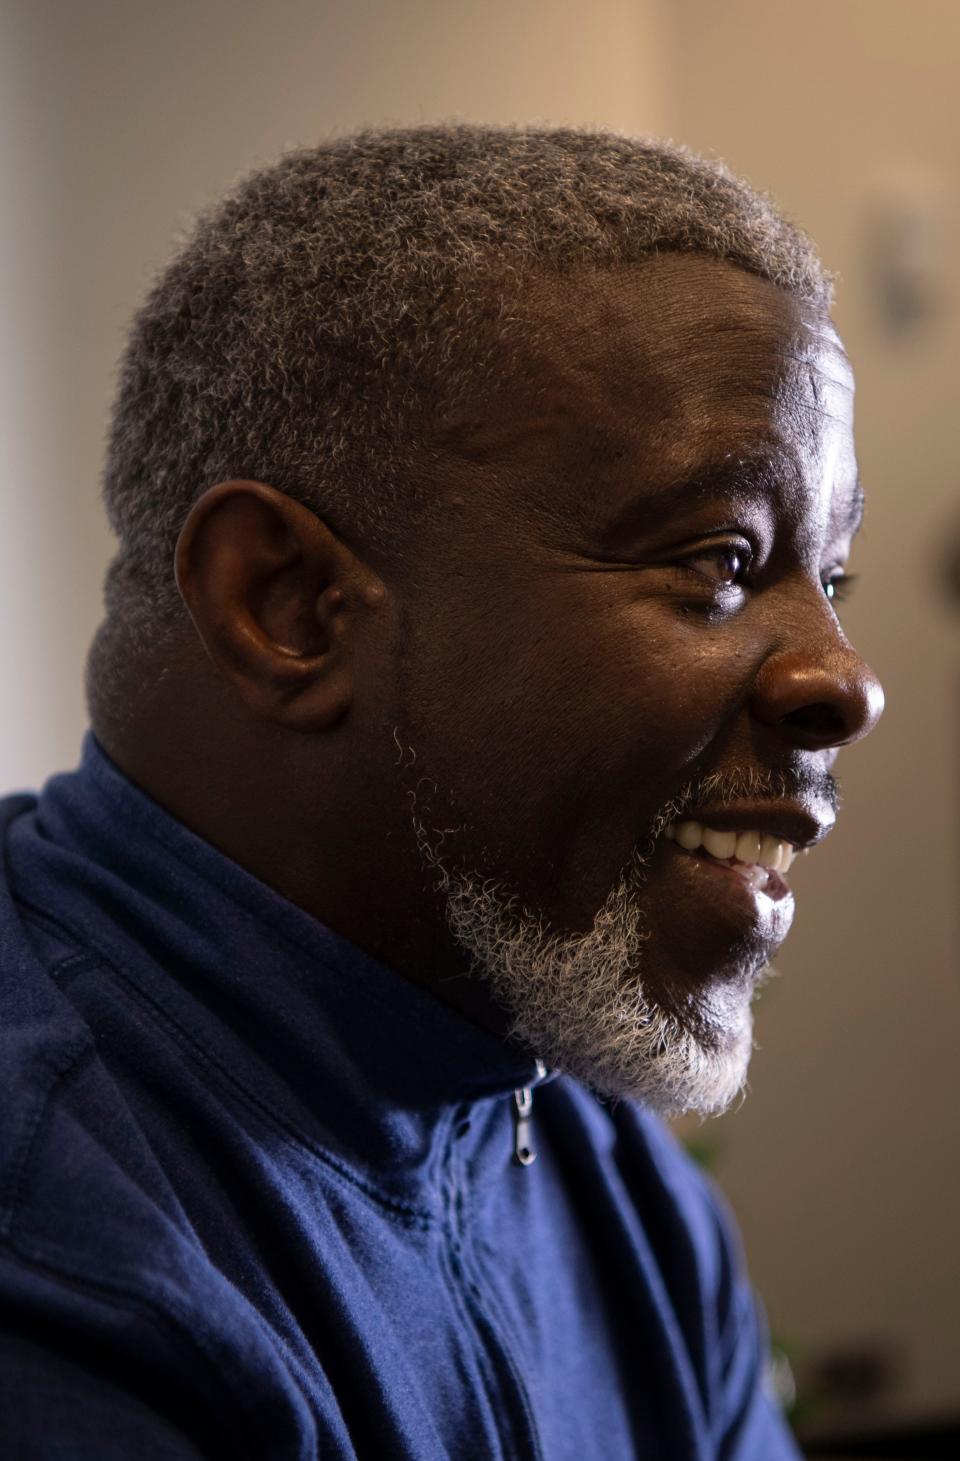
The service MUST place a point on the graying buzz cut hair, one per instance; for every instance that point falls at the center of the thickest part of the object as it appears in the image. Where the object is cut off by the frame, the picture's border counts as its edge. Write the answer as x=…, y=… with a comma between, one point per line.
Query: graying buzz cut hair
x=323, y=314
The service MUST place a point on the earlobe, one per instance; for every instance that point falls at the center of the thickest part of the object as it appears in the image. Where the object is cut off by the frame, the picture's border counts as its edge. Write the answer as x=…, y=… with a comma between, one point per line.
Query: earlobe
x=274, y=596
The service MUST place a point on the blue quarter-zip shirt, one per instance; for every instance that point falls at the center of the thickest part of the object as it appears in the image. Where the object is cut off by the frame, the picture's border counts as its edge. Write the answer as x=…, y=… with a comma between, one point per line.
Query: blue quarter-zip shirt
x=258, y=1194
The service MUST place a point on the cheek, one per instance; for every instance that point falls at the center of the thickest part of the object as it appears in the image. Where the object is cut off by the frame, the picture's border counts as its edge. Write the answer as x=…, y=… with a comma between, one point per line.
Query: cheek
x=586, y=704
x=637, y=691
x=556, y=737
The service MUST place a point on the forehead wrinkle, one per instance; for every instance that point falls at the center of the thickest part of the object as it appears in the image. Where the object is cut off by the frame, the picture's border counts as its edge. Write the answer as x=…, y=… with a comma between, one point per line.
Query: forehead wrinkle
x=820, y=370
x=843, y=380
x=805, y=402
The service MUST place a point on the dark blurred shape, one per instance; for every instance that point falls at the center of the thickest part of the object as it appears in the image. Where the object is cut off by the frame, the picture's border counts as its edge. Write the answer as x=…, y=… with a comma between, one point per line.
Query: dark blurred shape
x=853, y=1387
x=926, y=1441
x=843, y=1386
x=856, y=1375
x=950, y=566
x=904, y=254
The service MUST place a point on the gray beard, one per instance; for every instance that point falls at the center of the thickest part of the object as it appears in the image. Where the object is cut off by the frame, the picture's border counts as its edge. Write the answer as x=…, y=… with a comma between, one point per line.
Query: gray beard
x=578, y=1001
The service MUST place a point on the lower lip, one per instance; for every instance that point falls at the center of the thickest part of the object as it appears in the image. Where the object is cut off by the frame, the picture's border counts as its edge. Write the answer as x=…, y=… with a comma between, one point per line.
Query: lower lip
x=724, y=892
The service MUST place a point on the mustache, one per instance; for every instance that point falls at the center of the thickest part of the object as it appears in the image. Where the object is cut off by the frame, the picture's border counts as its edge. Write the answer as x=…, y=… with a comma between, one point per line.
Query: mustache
x=805, y=784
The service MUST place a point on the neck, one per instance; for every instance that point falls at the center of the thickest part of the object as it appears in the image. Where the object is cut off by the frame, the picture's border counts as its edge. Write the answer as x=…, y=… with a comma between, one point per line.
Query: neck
x=294, y=811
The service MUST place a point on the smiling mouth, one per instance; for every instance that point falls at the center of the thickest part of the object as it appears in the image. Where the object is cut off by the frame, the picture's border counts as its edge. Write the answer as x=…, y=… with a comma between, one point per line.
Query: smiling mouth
x=760, y=859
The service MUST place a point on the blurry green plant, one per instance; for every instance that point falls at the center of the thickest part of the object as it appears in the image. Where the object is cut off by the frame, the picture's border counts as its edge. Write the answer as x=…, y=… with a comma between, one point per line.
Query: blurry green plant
x=705, y=1150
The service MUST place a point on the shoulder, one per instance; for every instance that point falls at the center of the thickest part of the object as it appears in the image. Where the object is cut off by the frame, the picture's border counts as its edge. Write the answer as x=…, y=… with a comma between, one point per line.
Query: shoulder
x=113, y=1316
x=82, y=1194
x=76, y=1172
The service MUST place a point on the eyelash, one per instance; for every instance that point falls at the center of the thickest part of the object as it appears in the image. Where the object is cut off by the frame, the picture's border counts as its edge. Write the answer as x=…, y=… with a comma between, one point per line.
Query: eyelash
x=837, y=588
x=740, y=551
x=842, y=585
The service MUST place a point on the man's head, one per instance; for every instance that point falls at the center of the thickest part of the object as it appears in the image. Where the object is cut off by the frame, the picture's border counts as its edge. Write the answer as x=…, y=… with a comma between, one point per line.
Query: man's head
x=535, y=470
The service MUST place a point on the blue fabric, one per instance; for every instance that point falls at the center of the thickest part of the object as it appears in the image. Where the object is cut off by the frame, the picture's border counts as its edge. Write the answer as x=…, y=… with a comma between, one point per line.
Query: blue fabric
x=257, y=1196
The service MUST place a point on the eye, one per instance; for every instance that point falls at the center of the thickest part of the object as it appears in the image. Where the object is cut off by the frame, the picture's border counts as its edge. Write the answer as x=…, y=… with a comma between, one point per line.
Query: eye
x=725, y=564
x=839, y=586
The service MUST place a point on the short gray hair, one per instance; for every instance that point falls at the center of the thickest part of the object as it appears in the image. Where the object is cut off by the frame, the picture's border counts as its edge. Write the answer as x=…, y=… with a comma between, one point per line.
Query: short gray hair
x=320, y=316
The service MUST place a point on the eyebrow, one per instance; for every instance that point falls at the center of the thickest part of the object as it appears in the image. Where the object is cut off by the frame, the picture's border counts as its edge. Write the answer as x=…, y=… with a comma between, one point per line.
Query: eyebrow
x=756, y=476
x=855, y=514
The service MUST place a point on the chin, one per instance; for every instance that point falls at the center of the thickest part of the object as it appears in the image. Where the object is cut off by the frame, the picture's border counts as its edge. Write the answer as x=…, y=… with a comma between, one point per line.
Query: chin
x=587, y=1003
x=637, y=1050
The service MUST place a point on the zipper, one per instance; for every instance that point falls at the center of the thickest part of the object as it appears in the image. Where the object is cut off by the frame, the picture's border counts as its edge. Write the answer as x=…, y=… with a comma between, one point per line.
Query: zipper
x=504, y=1380
x=524, y=1153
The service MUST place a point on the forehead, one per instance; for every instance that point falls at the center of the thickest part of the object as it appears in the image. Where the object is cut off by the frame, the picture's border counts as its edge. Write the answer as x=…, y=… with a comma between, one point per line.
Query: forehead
x=661, y=371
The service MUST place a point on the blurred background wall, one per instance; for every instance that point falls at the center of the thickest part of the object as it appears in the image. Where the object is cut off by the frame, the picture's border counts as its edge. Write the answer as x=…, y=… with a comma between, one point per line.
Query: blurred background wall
x=119, y=118
x=843, y=1164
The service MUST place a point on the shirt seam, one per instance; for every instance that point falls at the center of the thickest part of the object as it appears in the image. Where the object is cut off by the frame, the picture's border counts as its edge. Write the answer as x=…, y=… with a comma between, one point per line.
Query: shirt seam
x=60, y=1071
x=453, y=1278
x=66, y=967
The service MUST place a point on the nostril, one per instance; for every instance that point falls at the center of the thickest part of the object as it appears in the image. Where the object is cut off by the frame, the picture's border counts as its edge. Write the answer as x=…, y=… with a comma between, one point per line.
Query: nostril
x=821, y=720
x=819, y=702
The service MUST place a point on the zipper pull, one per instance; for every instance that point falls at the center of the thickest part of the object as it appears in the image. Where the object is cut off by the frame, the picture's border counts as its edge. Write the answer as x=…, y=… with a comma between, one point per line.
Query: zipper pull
x=523, y=1152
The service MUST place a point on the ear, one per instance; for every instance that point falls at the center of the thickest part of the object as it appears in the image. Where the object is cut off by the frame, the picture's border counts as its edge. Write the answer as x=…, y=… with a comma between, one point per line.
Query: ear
x=278, y=601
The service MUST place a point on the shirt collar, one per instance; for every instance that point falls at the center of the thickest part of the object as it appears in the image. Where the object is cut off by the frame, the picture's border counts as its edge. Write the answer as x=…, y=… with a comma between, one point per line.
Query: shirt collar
x=299, y=1017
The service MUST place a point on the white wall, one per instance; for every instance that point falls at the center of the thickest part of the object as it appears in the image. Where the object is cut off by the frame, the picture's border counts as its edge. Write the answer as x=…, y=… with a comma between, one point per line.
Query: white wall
x=121, y=117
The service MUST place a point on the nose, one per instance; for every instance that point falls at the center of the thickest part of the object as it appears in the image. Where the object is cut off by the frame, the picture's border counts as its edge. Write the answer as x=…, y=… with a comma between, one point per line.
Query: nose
x=816, y=701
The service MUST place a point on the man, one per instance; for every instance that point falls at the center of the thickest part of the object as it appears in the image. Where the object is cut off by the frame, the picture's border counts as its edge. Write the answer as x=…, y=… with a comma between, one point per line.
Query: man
x=470, y=676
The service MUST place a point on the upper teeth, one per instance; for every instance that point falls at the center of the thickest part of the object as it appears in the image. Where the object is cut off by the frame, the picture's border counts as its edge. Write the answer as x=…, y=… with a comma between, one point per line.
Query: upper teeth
x=749, y=847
